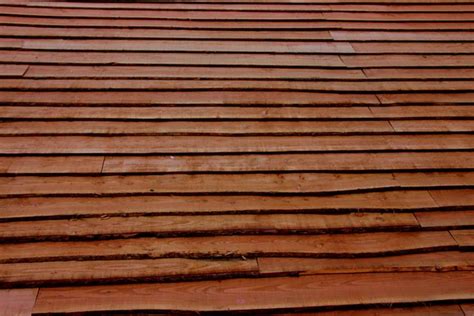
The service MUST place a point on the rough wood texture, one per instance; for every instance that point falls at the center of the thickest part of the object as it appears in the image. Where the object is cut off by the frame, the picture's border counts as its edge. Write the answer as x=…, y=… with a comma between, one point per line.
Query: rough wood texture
x=243, y=294
x=303, y=157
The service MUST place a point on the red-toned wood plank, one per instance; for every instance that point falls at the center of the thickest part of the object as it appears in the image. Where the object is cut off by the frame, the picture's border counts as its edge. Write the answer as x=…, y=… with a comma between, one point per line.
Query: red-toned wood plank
x=445, y=219
x=423, y=73
x=418, y=36
x=335, y=85
x=315, y=162
x=433, y=261
x=446, y=310
x=422, y=179
x=397, y=16
x=32, y=32
x=427, y=98
x=430, y=125
x=245, y=294
x=240, y=98
x=468, y=309
x=412, y=47
x=188, y=59
x=18, y=208
x=112, y=271
x=176, y=184
x=424, y=111
x=12, y=70
x=453, y=197
x=210, y=225
x=214, y=113
x=332, y=245
x=396, y=60
x=99, y=22
x=187, y=46
x=464, y=238
x=65, y=164
x=226, y=144
x=149, y=72
x=200, y=128
x=17, y=302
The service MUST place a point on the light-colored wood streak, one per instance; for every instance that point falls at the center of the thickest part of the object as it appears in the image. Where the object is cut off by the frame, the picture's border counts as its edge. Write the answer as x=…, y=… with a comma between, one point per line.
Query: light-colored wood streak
x=244, y=294
x=332, y=245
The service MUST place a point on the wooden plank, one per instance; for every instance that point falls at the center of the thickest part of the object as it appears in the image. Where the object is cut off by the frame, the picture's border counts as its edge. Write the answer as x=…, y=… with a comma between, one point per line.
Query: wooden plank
x=230, y=184
x=447, y=310
x=65, y=164
x=226, y=144
x=386, y=36
x=397, y=60
x=421, y=73
x=98, y=22
x=242, y=113
x=430, y=125
x=129, y=271
x=433, y=261
x=17, y=208
x=248, y=128
x=424, y=111
x=186, y=46
x=427, y=98
x=464, y=238
x=209, y=225
x=17, y=302
x=434, y=179
x=157, y=59
x=445, y=219
x=453, y=197
x=207, y=112
x=178, y=98
x=179, y=184
x=397, y=16
x=12, y=70
x=242, y=163
x=199, y=128
x=468, y=309
x=43, y=32
x=327, y=245
x=315, y=162
x=245, y=294
x=286, y=7
x=412, y=47
x=184, y=72
x=356, y=85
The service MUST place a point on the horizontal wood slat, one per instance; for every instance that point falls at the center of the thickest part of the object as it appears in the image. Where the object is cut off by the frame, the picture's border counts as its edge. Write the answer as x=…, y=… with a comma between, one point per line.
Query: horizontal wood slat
x=18, y=208
x=337, y=245
x=116, y=227
x=310, y=291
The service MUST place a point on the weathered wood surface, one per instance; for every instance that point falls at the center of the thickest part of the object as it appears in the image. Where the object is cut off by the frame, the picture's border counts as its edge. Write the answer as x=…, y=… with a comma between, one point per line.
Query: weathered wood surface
x=301, y=157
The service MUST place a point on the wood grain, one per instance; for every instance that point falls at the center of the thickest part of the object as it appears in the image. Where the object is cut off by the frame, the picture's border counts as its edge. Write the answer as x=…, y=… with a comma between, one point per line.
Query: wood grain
x=86, y=272
x=11, y=208
x=429, y=262
x=243, y=294
x=116, y=227
x=326, y=245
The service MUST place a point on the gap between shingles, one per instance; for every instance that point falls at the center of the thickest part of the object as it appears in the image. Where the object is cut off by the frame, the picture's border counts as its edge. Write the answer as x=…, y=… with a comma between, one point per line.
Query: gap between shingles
x=102, y=167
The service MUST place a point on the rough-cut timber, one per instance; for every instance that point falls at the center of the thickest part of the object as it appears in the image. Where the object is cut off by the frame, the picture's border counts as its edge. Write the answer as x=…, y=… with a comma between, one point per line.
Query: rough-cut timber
x=263, y=157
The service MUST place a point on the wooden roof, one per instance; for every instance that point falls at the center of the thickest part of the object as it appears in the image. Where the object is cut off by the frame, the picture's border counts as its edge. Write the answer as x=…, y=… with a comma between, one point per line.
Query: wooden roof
x=261, y=156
